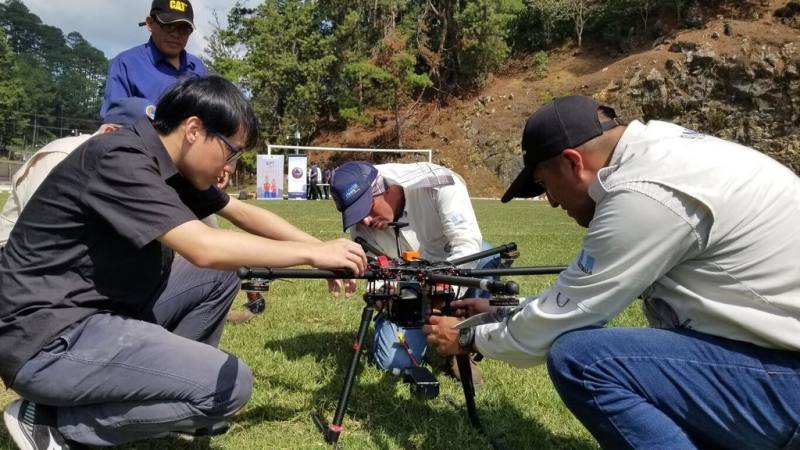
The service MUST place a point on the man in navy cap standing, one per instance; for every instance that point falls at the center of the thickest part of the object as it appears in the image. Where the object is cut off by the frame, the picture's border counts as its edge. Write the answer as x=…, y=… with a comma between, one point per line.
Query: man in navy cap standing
x=149, y=69
x=705, y=232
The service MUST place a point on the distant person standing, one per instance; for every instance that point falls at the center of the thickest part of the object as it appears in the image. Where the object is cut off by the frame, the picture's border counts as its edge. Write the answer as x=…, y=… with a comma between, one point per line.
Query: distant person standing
x=327, y=174
x=314, y=176
x=149, y=69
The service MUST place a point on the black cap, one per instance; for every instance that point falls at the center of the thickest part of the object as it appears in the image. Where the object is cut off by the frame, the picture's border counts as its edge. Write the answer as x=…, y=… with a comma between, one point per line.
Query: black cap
x=566, y=122
x=172, y=11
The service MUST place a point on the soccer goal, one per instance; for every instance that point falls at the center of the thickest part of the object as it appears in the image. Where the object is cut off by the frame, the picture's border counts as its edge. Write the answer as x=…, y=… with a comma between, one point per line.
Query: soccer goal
x=427, y=152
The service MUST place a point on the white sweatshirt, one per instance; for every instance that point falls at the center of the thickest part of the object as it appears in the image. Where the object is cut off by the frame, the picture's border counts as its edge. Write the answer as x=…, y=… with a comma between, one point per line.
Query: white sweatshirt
x=704, y=230
x=442, y=224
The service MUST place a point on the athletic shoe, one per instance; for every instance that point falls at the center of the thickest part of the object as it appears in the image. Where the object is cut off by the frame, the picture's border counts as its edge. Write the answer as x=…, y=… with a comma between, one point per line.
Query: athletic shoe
x=239, y=316
x=217, y=429
x=33, y=427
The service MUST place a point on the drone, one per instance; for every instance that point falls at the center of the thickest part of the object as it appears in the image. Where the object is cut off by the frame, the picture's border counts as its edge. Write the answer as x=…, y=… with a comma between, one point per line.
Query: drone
x=407, y=290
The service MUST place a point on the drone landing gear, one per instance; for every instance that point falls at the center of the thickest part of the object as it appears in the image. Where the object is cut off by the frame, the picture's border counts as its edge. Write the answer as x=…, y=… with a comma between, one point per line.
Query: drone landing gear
x=423, y=384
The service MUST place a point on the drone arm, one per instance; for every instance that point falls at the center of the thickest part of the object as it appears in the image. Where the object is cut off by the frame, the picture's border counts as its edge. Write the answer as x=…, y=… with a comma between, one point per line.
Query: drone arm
x=476, y=256
x=268, y=273
x=540, y=270
x=493, y=286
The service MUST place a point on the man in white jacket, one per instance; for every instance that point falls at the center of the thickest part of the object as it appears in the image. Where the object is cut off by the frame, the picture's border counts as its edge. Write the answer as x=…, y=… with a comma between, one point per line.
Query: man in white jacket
x=434, y=202
x=705, y=232
x=122, y=112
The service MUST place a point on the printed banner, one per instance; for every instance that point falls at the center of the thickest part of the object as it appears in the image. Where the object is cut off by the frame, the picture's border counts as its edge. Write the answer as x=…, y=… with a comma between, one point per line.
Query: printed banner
x=269, y=177
x=297, y=177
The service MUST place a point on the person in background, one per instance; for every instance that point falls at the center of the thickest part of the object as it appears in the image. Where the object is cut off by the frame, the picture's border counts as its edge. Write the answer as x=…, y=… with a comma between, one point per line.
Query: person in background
x=326, y=180
x=121, y=112
x=705, y=232
x=314, y=177
x=147, y=70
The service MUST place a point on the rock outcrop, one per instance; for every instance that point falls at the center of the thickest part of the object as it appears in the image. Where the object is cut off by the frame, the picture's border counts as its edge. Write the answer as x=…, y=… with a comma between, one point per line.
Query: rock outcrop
x=751, y=97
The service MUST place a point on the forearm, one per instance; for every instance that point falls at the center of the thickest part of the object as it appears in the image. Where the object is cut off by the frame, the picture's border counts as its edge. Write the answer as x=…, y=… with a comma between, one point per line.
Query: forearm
x=622, y=255
x=262, y=222
x=229, y=250
x=525, y=338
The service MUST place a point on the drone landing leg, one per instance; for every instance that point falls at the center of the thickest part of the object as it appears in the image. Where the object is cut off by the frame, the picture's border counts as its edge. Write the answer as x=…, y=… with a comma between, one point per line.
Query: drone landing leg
x=465, y=370
x=332, y=431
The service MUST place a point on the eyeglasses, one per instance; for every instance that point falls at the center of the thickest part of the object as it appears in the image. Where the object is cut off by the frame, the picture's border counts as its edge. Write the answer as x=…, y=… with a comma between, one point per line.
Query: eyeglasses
x=181, y=28
x=235, y=153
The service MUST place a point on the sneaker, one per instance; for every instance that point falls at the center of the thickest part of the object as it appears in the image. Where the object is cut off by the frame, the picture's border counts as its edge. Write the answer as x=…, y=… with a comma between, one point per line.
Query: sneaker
x=217, y=429
x=237, y=316
x=33, y=427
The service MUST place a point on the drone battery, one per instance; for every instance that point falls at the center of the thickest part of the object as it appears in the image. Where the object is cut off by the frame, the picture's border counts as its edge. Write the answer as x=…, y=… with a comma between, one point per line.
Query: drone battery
x=422, y=382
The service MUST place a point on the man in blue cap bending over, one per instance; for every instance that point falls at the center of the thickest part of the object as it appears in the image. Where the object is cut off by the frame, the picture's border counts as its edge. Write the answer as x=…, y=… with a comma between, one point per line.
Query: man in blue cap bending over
x=434, y=201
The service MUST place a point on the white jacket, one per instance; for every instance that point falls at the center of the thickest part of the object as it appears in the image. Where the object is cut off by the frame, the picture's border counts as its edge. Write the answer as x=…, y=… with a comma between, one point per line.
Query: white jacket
x=704, y=230
x=442, y=224
x=28, y=178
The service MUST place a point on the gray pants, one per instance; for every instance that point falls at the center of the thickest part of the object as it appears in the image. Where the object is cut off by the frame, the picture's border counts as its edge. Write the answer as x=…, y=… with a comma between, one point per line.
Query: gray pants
x=115, y=379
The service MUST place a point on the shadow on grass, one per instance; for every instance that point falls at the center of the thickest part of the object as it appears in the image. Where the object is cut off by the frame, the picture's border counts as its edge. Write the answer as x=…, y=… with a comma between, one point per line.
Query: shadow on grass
x=382, y=414
x=154, y=444
x=172, y=444
x=392, y=419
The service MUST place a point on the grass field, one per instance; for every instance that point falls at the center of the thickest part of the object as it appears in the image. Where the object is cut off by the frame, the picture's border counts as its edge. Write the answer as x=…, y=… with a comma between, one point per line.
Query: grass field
x=298, y=351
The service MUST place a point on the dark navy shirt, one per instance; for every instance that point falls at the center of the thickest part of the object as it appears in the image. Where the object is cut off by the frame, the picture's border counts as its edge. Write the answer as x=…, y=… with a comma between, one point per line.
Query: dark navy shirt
x=144, y=71
x=87, y=240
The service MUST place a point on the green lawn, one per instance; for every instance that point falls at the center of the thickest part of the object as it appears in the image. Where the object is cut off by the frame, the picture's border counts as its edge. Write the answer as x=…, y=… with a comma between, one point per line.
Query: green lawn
x=299, y=348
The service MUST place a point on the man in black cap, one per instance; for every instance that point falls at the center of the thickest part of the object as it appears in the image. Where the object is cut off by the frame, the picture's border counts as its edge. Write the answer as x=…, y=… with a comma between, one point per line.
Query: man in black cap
x=704, y=231
x=149, y=69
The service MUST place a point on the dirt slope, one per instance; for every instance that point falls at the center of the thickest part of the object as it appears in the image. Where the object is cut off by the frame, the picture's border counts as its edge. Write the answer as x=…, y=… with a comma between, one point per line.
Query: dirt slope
x=468, y=132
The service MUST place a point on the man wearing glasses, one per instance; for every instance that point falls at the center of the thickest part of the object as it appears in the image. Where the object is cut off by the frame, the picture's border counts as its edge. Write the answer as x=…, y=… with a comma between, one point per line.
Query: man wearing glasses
x=149, y=69
x=106, y=335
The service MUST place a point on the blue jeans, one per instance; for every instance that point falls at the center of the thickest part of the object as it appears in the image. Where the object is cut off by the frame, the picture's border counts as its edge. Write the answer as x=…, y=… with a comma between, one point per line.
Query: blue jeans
x=677, y=389
x=115, y=379
x=387, y=351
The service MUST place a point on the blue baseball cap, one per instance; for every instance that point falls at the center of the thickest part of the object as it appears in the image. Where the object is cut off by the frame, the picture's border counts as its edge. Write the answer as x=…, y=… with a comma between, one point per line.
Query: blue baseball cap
x=351, y=189
x=127, y=111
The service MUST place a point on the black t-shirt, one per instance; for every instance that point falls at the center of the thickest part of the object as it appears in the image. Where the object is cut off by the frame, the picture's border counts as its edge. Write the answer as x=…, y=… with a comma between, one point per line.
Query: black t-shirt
x=86, y=241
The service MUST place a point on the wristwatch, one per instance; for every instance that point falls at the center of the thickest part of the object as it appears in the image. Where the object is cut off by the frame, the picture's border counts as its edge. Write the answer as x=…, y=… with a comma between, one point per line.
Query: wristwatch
x=466, y=339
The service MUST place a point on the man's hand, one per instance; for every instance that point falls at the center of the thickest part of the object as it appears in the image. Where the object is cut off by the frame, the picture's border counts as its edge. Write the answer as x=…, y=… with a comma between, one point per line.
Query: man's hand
x=441, y=335
x=340, y=254
x=336, y=287
x=471, y=306
x=222, y=180
x=378, y=223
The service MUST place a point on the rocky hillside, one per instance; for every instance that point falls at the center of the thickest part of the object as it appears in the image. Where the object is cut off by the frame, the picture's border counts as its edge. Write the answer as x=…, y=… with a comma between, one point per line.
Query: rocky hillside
x=736, y=76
